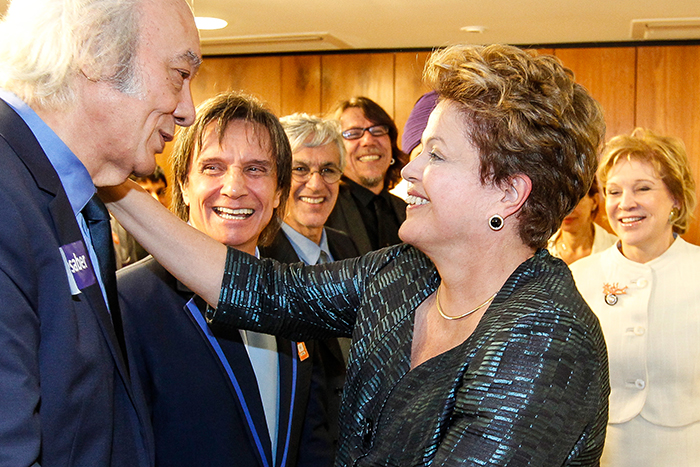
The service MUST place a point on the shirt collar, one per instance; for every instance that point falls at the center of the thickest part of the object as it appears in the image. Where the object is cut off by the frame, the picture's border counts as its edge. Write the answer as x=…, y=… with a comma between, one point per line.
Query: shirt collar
x=74, y=176
x=306, y=249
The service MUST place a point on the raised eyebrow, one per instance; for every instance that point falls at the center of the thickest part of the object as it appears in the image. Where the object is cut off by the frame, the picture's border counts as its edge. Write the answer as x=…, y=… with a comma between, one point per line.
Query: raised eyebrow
x=207, y=159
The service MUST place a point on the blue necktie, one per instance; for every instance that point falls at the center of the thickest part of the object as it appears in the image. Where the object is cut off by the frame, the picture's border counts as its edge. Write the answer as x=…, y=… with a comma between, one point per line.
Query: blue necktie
x=97, y=219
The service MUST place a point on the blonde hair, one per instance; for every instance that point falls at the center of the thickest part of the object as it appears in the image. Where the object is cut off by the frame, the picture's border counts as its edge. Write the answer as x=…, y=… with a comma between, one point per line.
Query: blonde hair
x=46, y=44
x=667, y=155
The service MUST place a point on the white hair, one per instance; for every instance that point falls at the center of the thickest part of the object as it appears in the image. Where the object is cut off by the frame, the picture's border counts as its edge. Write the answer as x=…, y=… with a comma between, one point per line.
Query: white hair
x=46, y=44
x=309, y=131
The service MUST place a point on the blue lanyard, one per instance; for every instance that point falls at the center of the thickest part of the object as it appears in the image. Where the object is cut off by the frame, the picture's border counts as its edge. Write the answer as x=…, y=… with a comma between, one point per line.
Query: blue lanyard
x=194, y=311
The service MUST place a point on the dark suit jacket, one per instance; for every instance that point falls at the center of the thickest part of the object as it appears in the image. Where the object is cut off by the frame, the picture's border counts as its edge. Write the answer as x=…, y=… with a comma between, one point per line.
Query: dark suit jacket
x=528, y=387
x=200, y=417
x=346, y=217
x=340, y=244
x=329, y=357
x=65, y=394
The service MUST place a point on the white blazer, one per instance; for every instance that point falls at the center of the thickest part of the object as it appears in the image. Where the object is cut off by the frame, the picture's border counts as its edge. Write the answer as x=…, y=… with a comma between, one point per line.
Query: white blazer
x=652, y=331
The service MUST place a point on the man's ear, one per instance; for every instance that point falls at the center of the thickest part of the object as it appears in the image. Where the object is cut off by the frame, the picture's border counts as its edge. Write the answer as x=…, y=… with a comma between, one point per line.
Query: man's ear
x=515, y=192
x=185, y=195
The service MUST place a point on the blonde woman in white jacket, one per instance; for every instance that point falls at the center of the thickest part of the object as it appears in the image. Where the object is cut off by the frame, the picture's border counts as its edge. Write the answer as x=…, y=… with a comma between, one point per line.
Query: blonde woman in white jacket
x=645, y=293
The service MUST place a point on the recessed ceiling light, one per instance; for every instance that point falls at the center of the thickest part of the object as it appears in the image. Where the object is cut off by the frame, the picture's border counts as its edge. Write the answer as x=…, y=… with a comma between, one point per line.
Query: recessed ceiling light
x=473, y=29
x=204, y=22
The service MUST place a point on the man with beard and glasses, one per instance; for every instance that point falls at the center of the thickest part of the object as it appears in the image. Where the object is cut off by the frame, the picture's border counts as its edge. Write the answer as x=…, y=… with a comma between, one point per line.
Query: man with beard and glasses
x=365, y=210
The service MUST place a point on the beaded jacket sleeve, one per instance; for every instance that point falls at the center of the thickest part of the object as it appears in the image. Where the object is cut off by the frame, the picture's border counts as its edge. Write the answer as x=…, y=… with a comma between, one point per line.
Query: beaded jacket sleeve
x=528, y=387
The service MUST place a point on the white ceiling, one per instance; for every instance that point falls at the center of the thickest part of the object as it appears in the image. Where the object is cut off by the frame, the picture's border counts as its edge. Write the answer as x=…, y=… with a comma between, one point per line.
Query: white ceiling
x=262, y=26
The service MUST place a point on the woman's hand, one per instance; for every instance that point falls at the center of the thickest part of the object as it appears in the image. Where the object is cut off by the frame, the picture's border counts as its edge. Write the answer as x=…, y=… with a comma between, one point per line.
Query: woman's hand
x=193, y=257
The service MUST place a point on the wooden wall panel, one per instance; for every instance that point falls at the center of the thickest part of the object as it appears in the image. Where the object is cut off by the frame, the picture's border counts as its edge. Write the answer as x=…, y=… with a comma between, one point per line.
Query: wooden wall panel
x=259, y=76
x=348, y=75
x=668, y=102
x=408, y=85
x=301, y=84
x=609, y=75
x=544, y=51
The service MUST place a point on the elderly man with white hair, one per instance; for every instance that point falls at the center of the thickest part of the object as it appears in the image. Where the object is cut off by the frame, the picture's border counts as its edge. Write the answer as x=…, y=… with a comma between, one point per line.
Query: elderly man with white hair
x=90, y=91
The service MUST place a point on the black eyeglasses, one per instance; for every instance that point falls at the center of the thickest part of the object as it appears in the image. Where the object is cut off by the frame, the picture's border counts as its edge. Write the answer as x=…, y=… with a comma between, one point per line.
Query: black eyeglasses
x=302, y=174
x=356, y=133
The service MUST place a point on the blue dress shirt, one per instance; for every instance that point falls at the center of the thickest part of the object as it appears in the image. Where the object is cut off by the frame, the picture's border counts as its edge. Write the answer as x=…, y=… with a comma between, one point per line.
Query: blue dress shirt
x=74, y=177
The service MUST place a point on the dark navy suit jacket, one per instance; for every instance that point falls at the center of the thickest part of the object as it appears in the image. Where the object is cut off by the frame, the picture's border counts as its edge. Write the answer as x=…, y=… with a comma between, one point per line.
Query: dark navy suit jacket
x=346, y=217
x=65, y=394
x=329, y=357
x=200, y=417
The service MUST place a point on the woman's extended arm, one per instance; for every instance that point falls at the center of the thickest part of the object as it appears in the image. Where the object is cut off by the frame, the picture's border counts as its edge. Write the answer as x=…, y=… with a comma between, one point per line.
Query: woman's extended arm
x=193, y=257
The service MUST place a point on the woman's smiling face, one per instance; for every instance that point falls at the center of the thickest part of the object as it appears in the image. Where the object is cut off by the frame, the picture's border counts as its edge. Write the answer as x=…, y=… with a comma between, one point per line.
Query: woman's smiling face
x=447, y=204
x=638, y=204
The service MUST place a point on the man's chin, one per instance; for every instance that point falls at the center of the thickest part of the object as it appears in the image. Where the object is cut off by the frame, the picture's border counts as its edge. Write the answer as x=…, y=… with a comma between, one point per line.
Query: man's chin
x=372, y=182
x=145, y=168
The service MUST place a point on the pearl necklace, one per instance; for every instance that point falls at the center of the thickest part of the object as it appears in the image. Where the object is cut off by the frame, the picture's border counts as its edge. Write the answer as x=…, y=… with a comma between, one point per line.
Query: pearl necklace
x=463, y=315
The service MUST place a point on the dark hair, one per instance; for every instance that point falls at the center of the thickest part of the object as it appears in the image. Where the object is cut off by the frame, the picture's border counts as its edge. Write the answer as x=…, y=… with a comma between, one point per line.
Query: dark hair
x=221, y=110
x=378, y=116
x=525, y=115
x=593, y=193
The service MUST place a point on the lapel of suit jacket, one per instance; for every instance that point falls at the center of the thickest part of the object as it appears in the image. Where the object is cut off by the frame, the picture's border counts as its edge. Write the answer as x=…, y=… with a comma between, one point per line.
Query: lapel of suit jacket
x=341, y=245
x=280, y=249
x=354, y=225
x=22, y=140
x=228, y=349
x=292, y=372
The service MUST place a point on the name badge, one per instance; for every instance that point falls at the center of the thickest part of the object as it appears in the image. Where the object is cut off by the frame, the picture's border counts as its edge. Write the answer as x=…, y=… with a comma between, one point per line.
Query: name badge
x=78, y=268
x=303, y=353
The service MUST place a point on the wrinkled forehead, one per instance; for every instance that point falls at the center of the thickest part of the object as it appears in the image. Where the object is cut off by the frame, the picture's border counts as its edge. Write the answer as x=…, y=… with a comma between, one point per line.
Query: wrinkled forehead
x=354, y=117
x=319, y=156
x=167, y=27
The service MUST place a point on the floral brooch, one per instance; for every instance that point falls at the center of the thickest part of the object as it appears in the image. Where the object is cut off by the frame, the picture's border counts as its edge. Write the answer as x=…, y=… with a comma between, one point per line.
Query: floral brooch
x=611, y=291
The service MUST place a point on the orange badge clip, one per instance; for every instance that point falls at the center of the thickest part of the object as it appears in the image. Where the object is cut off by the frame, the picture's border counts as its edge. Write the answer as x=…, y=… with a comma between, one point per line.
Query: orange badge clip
x=303, y=353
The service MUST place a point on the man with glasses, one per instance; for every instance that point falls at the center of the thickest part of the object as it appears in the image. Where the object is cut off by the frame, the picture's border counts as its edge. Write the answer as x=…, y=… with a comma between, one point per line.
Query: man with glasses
x=318, y=158
x=365, y=209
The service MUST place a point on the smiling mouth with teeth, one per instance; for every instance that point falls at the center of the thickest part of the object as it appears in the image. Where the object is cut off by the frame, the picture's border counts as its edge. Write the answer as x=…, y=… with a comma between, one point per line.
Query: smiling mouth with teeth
x=629, y=220
x=415, y=200
x=312, y=200
x=369, y=158
x=228, y=213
